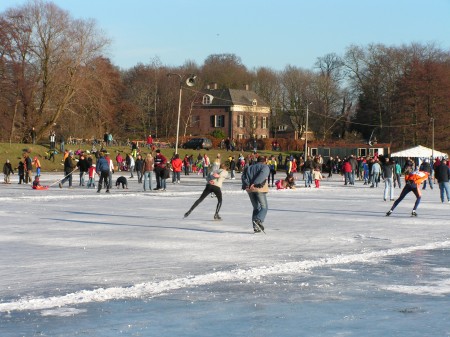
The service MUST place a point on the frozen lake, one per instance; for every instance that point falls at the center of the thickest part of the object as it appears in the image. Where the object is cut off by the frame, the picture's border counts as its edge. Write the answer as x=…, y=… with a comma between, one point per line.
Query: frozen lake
x=78, y=263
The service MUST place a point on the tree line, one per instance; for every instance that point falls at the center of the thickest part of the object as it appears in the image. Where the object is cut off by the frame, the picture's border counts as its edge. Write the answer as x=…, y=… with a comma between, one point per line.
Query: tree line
x=54, y=75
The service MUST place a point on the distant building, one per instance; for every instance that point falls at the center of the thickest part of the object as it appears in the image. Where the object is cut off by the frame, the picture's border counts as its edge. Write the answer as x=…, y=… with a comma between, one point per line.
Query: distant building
x=239, y=114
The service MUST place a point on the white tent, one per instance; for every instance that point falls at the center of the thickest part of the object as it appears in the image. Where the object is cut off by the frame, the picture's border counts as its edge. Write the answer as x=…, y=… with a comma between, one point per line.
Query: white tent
x=419, y=152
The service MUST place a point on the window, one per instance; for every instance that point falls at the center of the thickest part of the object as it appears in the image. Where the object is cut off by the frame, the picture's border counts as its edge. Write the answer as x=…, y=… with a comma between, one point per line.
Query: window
x=207, y=99
x=314, y=151
x=362, y=152
x=217, y=121
x=264, y=123
x=240, y=136
x=282, y=127
x=240, y=121
x=195, y=121
x=254, y=122
x=254, y=102
x=263, y=136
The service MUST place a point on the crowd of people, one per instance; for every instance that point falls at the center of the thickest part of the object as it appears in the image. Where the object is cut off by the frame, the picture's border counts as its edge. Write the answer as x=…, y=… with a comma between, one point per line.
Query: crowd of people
x=258, y=173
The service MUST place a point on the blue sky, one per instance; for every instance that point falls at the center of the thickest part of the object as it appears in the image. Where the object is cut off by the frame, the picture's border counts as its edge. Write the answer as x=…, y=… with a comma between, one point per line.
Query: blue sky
x=271, y=33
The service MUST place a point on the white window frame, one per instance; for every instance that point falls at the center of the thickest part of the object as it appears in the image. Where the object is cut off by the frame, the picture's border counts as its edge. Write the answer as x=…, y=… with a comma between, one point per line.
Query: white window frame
x=264, y=122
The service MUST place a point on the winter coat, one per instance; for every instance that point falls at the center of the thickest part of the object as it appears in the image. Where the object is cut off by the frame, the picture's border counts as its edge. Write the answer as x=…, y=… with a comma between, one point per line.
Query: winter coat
x=148, y=164
x=160, y=161
x=139, y=165
x=69, y=165
x=376, y=168
x=7, y=169
x=177, y=165
x=256, y=175
x=102, y=165
x=217, y=181
x=83, y=165
x=442, y=173
x=347, y=167
x=388, y=170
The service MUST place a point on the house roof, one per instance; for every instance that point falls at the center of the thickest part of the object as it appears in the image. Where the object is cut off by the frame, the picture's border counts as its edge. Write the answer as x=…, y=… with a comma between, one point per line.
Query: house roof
x=232, y=97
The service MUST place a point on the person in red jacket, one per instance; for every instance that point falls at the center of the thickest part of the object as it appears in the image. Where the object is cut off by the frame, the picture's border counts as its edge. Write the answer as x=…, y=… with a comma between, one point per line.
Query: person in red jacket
x=347, y=170
x=413, y=181
x=177, y=166
x=160, y=165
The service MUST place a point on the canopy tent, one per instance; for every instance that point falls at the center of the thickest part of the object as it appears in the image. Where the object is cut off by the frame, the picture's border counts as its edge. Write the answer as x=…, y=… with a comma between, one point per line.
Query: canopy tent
x=419, y=152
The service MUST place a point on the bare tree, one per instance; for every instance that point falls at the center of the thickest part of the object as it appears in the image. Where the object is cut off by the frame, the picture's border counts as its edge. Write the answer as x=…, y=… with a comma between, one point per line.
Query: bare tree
x=47, y=51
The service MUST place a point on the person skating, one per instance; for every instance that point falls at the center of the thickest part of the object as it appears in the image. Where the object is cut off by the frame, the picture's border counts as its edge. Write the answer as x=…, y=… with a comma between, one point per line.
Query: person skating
x=69, y=168
x=254, y=181
x=443, y=176
x=413, y=179
x=214, y=185
x=102, y=169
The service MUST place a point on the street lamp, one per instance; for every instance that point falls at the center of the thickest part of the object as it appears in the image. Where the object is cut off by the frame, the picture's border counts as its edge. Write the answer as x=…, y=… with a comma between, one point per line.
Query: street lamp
x=432, y=140
x=306, y=129
x=190, y=81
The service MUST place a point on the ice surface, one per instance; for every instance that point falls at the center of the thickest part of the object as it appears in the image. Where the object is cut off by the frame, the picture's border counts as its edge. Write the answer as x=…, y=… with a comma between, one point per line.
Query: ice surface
x=75, y=261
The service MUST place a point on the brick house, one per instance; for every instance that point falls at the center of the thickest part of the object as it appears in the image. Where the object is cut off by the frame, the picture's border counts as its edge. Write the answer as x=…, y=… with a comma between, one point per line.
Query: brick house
x=240, y=114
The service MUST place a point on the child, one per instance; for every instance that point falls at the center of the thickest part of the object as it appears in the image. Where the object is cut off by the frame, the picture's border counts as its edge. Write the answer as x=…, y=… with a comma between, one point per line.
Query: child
x=37, y=185
x=91, y=182
x=317, y=176
x=7, y=171
x=289, y=182
x=122, y=180
x=37, y=163
x=21, y=172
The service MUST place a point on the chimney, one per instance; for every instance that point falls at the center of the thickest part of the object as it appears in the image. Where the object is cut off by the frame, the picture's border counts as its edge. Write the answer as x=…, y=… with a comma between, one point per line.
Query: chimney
x=215, y=85
x=246, y=87
x=208, y=86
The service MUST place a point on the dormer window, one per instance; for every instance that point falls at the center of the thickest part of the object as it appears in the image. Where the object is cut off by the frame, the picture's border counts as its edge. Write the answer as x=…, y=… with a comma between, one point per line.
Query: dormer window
x=207, y=99
x=254, y=102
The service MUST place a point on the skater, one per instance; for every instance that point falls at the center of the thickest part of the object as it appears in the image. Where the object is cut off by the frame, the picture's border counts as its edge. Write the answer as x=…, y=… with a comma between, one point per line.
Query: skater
x=214, y=184
x=317, y=176
x=442, y=174
x=177, y=166
x=413, y=180
x=254, y=181
x=21, y=172
x=91, y=181
x=159, y=166
x=388, y=172
x=37, y=163
x=122, y=180
x=69, y=167
x=7, y=171
x=102, y=169
x=273, y=170
x=148, y=170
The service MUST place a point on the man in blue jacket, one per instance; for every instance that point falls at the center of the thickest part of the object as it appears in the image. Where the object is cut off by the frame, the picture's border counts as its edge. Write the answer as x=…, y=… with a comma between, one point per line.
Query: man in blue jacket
x=102, y=168
x=254, y=181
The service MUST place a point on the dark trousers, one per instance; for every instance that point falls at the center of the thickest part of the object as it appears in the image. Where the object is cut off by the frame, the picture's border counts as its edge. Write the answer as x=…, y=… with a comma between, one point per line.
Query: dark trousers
x=207, y=191
x=158, y=172
x=408, y=188
x=104, y=177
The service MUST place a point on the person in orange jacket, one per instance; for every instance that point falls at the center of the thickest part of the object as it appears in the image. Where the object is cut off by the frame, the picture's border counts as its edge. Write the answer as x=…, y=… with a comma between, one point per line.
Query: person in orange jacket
x=413, y=181
x=177, y=166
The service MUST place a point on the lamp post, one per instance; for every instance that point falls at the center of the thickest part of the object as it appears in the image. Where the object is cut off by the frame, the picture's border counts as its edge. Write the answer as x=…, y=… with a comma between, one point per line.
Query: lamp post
x=432, y=140
x=306, y=130
x=190, y=81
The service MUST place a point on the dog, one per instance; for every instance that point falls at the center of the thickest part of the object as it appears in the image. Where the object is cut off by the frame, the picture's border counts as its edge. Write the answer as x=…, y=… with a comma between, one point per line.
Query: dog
x=122, y=180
